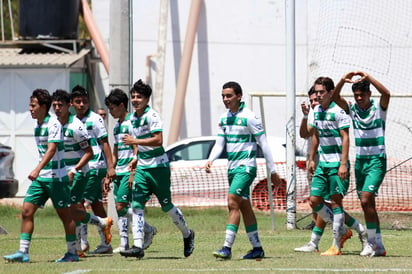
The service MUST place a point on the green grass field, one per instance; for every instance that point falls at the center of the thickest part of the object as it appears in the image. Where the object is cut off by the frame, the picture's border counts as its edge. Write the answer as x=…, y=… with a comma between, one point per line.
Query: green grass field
x=166, y=253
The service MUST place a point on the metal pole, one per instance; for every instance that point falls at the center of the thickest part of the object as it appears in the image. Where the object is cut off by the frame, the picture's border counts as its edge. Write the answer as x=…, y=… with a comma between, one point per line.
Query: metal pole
x=290, y=112
x=184, y=69
x=119, y=76
x=95, y=34
x=2, y=20
x=160, y=57
x=130, y=46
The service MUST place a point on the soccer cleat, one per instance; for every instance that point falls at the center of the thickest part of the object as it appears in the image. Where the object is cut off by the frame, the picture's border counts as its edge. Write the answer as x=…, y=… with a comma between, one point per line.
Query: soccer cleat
x=68, y=257
x=148, y=237
x=309, y=247
x=85, y=248
x=189, y=244
x=363, y=238
x=106, y=230
x=120, y=249
x=81, y=254
x=136, y=252
x=103, y=249
x=368, y=251
x=223, y=253
x=380, y=252
x=18, y=256
x=255, y=253
x=332, y=251
x=345, y=237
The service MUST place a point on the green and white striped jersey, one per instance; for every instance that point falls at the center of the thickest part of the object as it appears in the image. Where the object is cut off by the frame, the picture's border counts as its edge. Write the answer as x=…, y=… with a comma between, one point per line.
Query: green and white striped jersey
x=239, y=131
x=50, y=131
x=96, y=129
x=76, y=139
x=124, y=152
x=144, y=127
x=369, y=130
x=329, y=122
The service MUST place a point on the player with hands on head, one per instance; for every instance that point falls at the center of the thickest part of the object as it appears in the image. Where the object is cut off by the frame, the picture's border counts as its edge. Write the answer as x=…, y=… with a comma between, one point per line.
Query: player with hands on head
x=369, y=119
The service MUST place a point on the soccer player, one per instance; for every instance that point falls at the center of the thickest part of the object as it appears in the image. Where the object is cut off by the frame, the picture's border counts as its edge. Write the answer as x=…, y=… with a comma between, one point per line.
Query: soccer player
x=49, y=180
x=331, y=178
x=319, y=224
x=77, y=153
x=304, y=133
x=152, y=172
x=124, y=158
x=240, y=130
x=368, y=117
x=101, y=165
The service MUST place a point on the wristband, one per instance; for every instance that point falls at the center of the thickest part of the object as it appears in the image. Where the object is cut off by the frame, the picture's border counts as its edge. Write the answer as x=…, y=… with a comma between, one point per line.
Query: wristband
x=135, y=157
x=305, y=116
x=74, y=170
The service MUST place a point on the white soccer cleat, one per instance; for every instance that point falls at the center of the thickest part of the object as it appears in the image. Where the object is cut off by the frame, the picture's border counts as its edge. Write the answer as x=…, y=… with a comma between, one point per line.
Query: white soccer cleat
x=368, y=251
x=309, y=247
x=120, y=249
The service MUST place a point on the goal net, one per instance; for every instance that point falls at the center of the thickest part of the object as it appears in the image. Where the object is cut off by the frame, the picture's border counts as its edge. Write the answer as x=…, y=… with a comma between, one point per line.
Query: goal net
x=375, y=37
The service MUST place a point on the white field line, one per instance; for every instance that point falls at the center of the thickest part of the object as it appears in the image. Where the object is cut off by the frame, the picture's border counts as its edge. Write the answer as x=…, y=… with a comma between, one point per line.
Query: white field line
x=283, y=269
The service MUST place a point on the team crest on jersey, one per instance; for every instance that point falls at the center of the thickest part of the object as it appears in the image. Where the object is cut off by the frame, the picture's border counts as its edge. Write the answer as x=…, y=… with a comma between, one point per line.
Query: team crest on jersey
x=239, y=121
x=328, y=116
x=84, y=144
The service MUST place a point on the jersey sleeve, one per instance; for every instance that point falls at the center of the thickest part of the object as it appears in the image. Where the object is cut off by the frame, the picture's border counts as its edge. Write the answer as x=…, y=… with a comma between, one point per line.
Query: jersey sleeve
x=220, y=131
x=255, y=125
x=155, y=123
x=311, y=117
x=55, y=131
x=81, y=136
x=343, y=119
x=99, y=128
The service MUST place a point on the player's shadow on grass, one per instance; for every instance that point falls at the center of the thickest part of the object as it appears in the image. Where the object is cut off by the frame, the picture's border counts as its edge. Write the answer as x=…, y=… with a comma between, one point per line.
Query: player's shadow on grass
x=164, y=258
x=98, y=256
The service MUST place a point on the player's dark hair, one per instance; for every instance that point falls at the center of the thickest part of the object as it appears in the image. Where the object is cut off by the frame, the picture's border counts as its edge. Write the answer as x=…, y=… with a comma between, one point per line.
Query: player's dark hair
x=79, y=91
x=326, y=82
x=235, y=86
x=117, y=97
x=311, y=90
x=142, y=88
x=363, y=86
x=61, y=95
x=43, y=97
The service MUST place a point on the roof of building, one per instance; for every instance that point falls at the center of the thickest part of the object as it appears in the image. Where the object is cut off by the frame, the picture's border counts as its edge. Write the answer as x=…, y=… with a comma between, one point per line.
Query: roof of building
x=18, y=58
